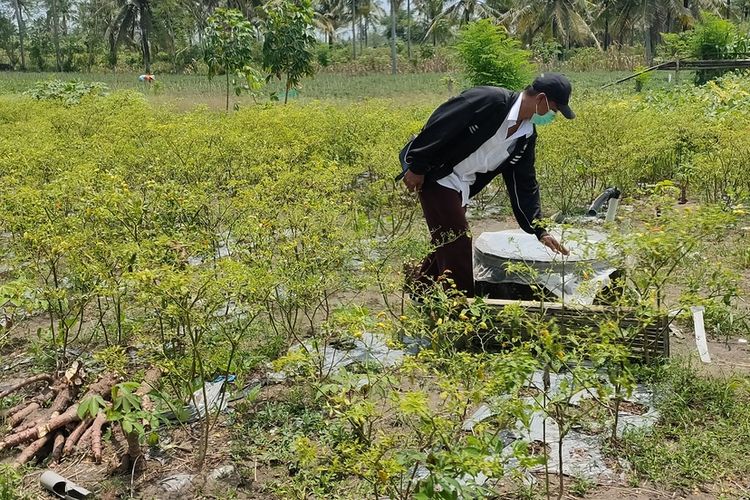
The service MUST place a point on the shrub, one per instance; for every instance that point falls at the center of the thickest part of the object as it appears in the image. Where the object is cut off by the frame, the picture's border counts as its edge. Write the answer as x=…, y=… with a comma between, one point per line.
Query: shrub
x=491, y=57
x=69, y=93
x=642, y=79
x=545, y=51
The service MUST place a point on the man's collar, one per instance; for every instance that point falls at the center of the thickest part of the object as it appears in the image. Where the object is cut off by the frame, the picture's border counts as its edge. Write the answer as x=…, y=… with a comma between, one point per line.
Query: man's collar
x=515, y=109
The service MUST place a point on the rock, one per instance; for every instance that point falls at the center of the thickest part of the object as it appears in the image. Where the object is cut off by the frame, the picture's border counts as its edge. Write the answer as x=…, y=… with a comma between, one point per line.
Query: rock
x=222, y=472
x=276, y=377
x=176, y=483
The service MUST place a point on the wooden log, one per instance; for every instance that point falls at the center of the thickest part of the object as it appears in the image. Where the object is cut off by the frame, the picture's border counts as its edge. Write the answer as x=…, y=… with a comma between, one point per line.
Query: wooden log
x=63, y=399
x=39, y=399
x=31, y=450
x=85, y=439
x=96, y=435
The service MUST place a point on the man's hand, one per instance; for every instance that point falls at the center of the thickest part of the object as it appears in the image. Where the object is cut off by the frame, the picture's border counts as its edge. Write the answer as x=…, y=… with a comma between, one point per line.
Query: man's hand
x=413, y=181
x=551, y=242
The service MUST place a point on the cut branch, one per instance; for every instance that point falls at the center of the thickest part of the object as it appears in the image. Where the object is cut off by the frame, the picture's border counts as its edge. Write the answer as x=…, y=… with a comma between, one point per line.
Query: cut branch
x=75, y=436
x=20, y=416
x=57, y=447
x=40, y=399
x=96, y=435
x=101, y=388
x=63, y=399
x=85, y=438
x=31, y=450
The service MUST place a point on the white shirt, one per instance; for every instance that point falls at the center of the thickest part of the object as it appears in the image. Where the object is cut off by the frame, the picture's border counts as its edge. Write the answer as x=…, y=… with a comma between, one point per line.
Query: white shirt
x=489, y=155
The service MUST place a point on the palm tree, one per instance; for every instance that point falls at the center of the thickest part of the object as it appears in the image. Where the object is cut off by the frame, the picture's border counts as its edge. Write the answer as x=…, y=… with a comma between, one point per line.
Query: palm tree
x=604, y=14
x=353, y=14
x=200, y=11
x=18, y=14
x=394, y=4
x=463, y=11
x=408, y=29
x=134, y=15
x=567, y=21
x=53, y=18
x=329, y=16
x=691, y=9
x=460, y=12
x=639, y=15
x=431, y=10
x=368, y=11
x=650, y=17
x=738, y=9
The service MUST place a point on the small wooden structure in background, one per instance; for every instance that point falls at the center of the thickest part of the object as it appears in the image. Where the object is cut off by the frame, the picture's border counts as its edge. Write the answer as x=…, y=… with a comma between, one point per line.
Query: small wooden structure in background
x=649, y=344
x=688, y=65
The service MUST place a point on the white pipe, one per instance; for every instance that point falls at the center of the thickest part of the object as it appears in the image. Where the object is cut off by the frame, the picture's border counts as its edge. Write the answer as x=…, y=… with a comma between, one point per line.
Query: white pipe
x=612, y=209
x=700, y=334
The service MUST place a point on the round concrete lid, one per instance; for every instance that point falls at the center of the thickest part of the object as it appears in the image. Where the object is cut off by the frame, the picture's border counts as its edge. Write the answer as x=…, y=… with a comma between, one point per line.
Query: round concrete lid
x=518, y=245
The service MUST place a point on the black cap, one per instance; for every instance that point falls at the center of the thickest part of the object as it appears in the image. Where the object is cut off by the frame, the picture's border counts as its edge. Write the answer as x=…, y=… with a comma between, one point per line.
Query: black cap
x=557, y=88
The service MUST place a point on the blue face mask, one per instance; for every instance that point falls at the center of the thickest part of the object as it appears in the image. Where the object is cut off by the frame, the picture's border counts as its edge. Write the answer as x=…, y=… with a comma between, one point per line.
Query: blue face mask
x=544, y=119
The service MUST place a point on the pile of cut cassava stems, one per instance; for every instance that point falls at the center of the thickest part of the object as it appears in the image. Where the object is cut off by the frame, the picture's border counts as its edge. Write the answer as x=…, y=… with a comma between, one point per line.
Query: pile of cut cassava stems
x=39, y=431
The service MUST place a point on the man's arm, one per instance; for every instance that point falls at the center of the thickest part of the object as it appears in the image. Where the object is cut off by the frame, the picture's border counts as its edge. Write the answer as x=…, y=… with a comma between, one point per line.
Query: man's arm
x=523, y=191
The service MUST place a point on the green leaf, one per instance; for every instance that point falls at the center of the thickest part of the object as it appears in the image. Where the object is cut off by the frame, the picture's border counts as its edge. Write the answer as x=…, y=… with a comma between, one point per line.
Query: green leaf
x=82, y=409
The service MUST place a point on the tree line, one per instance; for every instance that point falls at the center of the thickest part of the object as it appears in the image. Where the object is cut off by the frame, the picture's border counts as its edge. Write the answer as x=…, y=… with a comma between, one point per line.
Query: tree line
x=80, y=35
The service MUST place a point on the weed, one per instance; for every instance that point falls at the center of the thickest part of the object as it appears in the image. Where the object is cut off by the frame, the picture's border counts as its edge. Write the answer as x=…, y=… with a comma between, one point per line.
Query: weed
x=580, y=487
x=11, y=483
x=703, y=435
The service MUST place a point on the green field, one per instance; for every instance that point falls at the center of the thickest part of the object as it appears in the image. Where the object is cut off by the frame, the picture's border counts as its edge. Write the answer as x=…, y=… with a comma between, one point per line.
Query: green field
x=153, y=243
x=185, y=91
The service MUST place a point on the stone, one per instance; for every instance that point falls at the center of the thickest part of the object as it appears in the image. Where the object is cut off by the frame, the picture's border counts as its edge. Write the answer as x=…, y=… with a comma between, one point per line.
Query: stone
x=176, y=483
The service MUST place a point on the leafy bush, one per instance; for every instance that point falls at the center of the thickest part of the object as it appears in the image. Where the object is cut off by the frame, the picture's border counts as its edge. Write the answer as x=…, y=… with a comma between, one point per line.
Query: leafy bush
x=70, y=92
x=642, y=79
x=491, y=57
x=545, y=51
x=716, y=38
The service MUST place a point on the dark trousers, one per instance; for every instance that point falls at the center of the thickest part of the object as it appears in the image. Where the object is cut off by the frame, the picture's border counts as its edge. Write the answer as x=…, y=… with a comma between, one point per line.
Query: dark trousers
x=449, y=231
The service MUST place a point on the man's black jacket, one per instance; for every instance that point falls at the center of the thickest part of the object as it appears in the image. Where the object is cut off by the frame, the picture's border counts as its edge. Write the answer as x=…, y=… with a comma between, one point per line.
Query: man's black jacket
x=457, y=128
